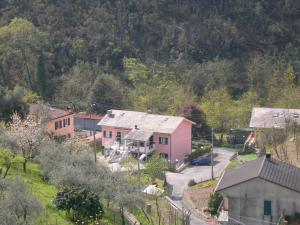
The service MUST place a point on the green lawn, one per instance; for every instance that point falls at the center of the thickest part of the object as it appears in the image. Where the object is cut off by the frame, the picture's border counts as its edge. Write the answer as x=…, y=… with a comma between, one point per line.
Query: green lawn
x=240, y=160
x=46, y=192
x=248, y=157
x=42, y=190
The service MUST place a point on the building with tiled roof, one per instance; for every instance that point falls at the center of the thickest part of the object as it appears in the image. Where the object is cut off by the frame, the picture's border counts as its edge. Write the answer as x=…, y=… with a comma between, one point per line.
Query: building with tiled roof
x=260, y=191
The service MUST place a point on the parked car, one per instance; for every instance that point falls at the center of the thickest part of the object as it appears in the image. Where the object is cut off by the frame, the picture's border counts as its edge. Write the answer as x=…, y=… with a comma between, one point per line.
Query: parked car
x=202, y=161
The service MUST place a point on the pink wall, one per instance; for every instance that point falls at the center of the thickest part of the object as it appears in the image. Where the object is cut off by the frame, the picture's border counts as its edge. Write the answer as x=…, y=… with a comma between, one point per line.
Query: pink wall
x=106, y=140
x=181, y=141
x=160, y=148
x=64, y=131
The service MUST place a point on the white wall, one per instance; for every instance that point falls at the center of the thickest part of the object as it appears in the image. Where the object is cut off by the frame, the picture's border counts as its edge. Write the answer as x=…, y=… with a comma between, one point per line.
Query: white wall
x=246, y=201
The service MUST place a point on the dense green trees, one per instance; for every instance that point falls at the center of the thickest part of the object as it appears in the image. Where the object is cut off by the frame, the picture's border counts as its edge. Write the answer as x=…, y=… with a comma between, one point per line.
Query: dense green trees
x=12, y=101
x=151, y=55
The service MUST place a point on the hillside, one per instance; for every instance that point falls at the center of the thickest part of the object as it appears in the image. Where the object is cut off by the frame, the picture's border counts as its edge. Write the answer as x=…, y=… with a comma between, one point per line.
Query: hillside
x=151, y=54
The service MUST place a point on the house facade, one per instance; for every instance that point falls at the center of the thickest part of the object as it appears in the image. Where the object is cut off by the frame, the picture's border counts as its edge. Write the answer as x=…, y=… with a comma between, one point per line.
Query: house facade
x=260, y=192
x=144, y=133
x=58, y=123
x=87, y=122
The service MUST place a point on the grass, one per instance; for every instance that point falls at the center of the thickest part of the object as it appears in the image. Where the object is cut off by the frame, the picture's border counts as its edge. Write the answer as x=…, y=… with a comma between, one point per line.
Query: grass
x=248, y=157
x=240, y=160
x=44, y=192
x=169, y=215
x=206, y=183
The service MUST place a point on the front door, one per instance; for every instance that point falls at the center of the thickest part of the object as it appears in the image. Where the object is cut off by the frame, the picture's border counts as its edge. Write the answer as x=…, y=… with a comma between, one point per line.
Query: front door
x=120, y=137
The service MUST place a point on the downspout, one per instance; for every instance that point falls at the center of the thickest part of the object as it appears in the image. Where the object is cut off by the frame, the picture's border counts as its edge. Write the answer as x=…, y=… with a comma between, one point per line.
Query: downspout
x=170, y=149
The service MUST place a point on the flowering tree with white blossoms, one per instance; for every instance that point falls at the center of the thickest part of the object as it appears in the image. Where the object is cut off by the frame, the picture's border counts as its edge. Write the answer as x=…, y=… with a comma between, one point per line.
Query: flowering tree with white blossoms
x=27, y=135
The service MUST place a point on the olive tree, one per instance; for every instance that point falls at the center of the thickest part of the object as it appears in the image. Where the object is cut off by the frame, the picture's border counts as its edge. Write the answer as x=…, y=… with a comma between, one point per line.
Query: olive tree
x=27, y=135
x=18, y=206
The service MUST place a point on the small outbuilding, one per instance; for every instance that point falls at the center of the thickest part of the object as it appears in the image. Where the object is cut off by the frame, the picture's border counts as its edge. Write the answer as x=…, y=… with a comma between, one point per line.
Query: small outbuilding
x=260, y=192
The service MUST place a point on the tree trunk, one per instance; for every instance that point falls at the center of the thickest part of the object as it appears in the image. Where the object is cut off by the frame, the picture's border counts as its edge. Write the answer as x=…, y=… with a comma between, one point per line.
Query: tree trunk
x=24, y=165
x=221, y=138
x=122, y=215
x=157, y=210
x=6, y=171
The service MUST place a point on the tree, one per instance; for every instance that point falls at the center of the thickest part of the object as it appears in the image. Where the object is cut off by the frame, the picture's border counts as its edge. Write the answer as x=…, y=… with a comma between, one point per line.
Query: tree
x=191, y=110
x=79, y=203
x=78, y=170
x=156, y=166
x=219, y=110
x=244, y=106
x=214, y=202
x=76, y=84
x=27, y=135
x=41, y=76
x=12, y=101
x=136, y=72
x=6, y=159
x=18, y=55
x=19, y=206
x=108, y=93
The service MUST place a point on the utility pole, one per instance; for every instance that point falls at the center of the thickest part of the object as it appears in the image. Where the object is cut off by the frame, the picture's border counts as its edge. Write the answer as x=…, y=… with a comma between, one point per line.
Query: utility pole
x=139, y=169
x=94, y=132
x=212, y=154
x=95, y=147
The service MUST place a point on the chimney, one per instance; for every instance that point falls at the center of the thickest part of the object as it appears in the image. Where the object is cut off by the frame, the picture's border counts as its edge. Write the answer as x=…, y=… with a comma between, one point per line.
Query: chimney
x=110, y=114
x=268, y=155
x=136, y=127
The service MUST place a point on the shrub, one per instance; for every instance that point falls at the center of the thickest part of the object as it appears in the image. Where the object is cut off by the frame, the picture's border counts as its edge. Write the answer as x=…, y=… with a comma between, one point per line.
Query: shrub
x=197, y=153
x=192, y=182
x=79, y=201
x=214, y=203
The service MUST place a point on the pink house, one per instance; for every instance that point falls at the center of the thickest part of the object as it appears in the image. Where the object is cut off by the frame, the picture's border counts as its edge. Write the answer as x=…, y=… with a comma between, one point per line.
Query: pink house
x=144, y=133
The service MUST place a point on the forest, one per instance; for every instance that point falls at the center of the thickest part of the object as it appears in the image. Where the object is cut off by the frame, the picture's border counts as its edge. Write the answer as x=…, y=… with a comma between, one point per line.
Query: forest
x=160, y=55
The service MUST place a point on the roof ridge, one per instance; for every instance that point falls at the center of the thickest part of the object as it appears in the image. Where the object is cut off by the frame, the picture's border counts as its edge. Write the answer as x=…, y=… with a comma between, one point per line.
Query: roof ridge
x=262, y=165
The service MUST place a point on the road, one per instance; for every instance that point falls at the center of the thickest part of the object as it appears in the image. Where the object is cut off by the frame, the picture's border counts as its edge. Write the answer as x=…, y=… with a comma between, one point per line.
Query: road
x=178, y=182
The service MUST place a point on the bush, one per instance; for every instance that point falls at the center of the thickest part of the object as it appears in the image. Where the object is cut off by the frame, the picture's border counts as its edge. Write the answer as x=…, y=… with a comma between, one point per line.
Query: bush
x=197, y=153
x=81, y=202
x=214, y=203
x=192, y=182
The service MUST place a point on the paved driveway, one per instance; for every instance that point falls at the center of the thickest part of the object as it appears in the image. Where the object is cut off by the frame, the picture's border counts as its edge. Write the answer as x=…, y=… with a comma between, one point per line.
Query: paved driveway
x=179, y=181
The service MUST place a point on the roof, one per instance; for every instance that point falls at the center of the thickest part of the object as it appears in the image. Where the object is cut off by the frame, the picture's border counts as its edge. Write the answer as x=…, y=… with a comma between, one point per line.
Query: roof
x=53, y=113
x=144, y=121
x=139, y=135
x=88, y=116
x=268, y=169
x=274, y=117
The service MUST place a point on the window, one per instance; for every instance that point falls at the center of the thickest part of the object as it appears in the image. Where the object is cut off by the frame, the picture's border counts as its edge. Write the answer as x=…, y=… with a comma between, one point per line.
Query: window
x=267, y=208
x=163, y=140
x=56, y=125
x=118, y=136
x=107, y=134
x=65, y=122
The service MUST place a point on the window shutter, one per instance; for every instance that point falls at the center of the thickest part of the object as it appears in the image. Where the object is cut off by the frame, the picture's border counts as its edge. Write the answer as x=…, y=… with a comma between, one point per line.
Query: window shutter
x=104, y=133
x=69, y=121
x=267, y=208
